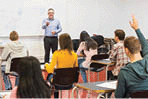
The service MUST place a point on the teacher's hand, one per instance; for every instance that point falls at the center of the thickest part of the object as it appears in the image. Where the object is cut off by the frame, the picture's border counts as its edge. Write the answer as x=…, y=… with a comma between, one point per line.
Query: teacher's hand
x=53, y=32
x=47, y=23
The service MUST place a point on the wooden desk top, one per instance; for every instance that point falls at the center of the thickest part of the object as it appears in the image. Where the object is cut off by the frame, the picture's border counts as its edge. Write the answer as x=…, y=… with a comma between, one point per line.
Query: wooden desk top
x=92, y=87
x=103, y=61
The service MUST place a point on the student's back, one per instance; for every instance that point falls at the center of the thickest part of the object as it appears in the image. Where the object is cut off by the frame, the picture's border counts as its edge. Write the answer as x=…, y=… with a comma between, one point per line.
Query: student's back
x=13, y=49
x=135, y=75
x=62, y=59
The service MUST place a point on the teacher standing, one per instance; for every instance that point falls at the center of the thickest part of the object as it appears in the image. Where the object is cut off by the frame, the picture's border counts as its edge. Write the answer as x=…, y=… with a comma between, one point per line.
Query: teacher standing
x=52, y=27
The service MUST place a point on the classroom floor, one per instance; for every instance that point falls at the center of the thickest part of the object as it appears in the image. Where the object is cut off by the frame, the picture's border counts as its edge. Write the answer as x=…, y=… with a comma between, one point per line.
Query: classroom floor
x=83, y=93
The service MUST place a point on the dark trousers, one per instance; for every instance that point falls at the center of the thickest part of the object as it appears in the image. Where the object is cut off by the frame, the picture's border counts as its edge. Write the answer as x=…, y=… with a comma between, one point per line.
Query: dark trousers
x=50, y=43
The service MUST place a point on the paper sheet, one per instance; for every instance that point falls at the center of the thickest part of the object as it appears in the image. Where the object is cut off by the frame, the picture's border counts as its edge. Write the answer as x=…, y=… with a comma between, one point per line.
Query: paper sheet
x=111, y=84
x=2, y=94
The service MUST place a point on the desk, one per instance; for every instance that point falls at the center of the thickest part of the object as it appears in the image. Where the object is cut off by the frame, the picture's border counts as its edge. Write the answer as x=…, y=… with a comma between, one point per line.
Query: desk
x=93, y=87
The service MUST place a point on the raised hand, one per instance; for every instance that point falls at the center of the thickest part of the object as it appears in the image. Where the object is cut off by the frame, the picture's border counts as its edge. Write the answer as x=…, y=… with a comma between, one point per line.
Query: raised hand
x=134, y=24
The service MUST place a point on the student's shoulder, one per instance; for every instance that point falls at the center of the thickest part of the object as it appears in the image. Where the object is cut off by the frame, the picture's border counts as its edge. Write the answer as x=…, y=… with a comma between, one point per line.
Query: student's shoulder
x=126, y=67
x=8, y=44
x=74, y=53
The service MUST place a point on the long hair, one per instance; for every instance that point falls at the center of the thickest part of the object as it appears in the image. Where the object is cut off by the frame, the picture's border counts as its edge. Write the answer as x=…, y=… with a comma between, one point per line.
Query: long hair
x=31, y=82
x=90, y=43
x=83, y=36
x=65, y=42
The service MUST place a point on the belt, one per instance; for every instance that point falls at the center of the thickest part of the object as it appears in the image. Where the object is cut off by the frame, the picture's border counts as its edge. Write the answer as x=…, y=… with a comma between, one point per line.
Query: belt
x=51, y=36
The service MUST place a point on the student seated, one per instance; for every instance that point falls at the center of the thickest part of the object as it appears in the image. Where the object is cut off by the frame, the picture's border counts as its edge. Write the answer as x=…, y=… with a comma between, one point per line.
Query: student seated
x=12, y=49
x=31, y=82
x=134, y=76
x=90, y=49
x=65, y=57
x=80, y=52
x=118, y=54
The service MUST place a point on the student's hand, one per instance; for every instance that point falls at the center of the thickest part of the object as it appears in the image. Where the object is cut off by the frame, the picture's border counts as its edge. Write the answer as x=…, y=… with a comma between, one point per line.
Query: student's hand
x=134, y=24
x=82, y=45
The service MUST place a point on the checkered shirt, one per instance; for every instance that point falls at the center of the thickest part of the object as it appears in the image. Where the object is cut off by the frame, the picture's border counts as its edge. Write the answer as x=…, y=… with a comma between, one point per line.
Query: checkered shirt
x=118, y=55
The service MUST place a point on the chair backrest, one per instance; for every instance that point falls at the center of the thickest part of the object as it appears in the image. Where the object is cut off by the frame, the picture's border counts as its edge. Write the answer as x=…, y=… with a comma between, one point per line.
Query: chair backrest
x=139, y=94
x=99, y=39
x=98, y=57
x=65, y=76
x=75, y=44
x=14, y=64
x=102, y=50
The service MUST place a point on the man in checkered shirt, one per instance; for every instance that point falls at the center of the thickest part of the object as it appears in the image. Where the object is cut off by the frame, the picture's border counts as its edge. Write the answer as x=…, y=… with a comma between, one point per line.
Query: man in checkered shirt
x=118, y=54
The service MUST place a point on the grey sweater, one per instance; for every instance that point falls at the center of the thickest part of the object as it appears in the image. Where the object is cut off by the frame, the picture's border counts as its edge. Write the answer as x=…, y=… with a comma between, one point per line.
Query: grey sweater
x=12, y=50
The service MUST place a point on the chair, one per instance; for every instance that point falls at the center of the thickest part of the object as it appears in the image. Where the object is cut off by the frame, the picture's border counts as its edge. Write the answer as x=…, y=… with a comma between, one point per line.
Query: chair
x=64, y=78
x=98, y=57
x=99, y=39
x=139, y=94
x=75, y=44
x=95, y=66
x=103, y=49
x=15, y=64
x=14, y=68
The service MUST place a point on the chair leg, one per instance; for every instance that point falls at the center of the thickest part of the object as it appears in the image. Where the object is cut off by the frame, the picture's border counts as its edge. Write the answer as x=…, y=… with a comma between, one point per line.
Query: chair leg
x=88, y=94
x=100, y=96
x=56, y=94
x=75, y=88
x=98, y=76
x=60, y=92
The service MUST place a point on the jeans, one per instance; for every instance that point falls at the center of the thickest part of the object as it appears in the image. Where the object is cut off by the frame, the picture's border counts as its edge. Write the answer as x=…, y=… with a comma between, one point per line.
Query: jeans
x=49, y=77
x=56, y=93
x=6, y=79
x=80, y=61
x=83, y=73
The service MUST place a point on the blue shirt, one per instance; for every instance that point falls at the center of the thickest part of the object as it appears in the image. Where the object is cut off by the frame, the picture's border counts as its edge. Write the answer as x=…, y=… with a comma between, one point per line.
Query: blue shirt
x=54, y=25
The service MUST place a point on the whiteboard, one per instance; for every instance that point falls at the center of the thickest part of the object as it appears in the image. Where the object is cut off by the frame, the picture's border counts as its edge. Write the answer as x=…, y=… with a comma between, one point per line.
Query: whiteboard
x=94, y=16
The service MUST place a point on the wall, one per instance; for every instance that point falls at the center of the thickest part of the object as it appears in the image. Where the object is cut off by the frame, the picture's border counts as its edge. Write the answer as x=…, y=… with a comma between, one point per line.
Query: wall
x=94, y=16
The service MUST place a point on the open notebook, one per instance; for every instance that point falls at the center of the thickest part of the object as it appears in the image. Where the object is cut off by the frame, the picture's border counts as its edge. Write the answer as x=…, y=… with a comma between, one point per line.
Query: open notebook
x=110, y=84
